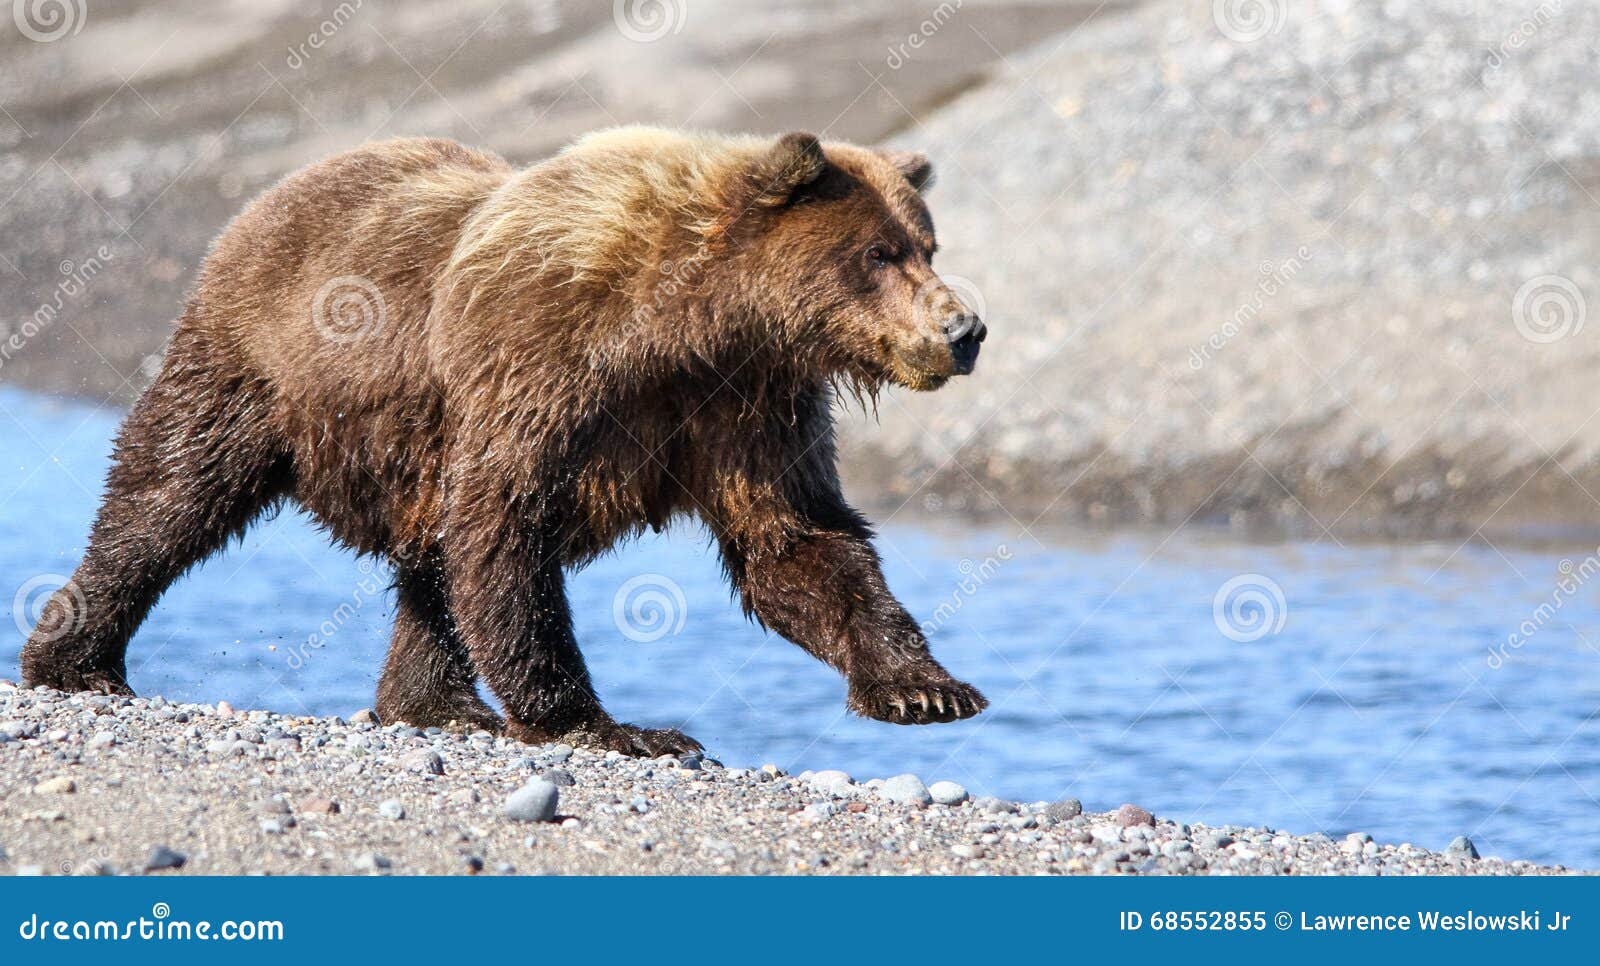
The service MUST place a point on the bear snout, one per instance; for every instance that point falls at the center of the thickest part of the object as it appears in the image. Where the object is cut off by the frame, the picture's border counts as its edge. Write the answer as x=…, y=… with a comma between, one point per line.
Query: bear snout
x=965, y=334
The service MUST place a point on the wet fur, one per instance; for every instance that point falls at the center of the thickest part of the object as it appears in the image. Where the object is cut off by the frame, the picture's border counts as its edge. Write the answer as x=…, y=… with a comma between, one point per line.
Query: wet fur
x=545, y=378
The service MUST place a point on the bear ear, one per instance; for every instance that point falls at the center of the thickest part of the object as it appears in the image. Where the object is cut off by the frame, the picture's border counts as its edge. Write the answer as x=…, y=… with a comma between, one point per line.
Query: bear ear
x=915, y=166
x=796, y=160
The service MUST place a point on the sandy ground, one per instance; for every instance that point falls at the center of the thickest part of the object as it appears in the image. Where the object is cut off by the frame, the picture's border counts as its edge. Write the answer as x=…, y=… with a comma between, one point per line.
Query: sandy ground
x=97, y=785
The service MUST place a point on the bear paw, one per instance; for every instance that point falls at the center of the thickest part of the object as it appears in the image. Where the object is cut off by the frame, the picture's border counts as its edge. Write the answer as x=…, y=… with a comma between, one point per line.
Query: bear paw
x=463, y=716
x=71, y=679
x=917, y=702
x=633, y=741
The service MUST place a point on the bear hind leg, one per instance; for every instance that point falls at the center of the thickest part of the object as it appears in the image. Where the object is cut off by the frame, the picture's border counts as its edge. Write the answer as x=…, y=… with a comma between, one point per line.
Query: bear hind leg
x=195, y=463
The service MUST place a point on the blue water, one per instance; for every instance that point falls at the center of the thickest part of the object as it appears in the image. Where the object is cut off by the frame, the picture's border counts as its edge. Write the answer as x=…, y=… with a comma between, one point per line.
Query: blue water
x=1375, y=707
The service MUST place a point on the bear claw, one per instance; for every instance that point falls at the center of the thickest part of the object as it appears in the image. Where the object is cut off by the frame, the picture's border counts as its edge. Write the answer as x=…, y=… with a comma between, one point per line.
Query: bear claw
x=634, y=741
x=74, y=681
x=919, y=703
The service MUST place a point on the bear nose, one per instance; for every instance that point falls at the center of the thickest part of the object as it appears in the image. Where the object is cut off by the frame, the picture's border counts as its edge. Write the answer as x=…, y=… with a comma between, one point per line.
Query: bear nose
x=965, y=332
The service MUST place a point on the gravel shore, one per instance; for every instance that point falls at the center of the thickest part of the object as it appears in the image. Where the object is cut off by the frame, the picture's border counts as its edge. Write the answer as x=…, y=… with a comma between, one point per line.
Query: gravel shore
x=106, y=785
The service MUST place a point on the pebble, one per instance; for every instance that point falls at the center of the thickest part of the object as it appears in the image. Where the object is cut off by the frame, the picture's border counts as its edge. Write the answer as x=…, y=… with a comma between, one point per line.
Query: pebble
x=318, y=806
x=18, y=730
x=372, y=863
x=533, y=802
x=60, y=785
x=365, y=716
x=832, y=782
x=1064, y=810
x=424, y=762
x=162, y=857
x=998, y=806
x=559, y=777
x=1462, y=846
x=947, y=793
x=905, y=790
x=1130, y=815
x=392, y=809
x=101, y=739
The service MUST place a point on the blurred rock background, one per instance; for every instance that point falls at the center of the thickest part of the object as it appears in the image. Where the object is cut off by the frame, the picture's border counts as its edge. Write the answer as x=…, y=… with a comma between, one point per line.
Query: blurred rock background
x=1307, y=266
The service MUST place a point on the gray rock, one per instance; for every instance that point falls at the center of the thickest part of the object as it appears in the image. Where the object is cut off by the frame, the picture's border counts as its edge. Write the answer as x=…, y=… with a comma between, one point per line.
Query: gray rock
x=17, y=730
x=947, y=793
x=833, y=782
x=392, y=809
x=997, y=806
x=1064, y=810
x=1462, y=846
x=162, y=857
x=424, y=762
x=559, y=777
x=364, y=716
x=371, y=862
x=533, y=802
x=905, y=790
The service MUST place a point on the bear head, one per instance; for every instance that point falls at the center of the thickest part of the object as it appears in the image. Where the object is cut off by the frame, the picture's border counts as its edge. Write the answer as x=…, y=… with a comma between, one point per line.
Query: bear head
x=843, y=244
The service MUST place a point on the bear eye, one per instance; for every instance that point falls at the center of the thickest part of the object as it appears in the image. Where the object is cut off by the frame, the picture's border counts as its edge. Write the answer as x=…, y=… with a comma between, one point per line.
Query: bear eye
x=878, y=255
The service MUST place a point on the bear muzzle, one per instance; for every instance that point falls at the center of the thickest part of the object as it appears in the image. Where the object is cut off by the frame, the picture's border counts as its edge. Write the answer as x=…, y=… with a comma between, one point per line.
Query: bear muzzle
x=965, y=333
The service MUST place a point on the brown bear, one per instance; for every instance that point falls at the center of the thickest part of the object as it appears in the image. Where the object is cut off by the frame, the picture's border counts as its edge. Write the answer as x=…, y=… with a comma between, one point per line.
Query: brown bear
x=491, y=375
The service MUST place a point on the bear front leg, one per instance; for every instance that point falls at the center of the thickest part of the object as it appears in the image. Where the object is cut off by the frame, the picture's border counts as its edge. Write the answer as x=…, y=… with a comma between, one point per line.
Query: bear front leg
x=826, y=592
x=428, y=678
x=508, y=598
